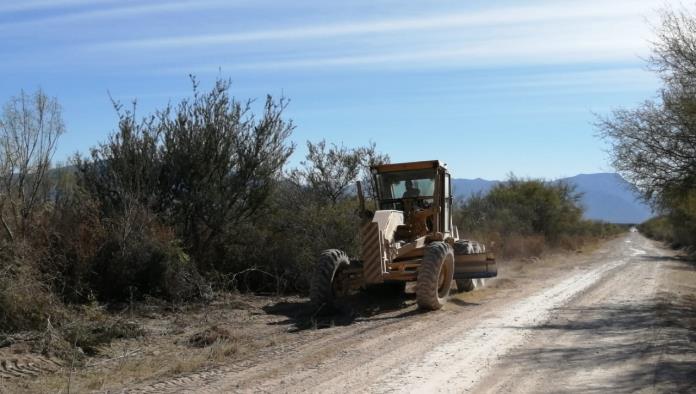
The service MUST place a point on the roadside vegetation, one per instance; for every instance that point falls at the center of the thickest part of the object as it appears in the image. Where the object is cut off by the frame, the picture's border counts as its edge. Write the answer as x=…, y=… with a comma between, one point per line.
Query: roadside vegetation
x=654, y=145
x=527, y=217
x=195, y=200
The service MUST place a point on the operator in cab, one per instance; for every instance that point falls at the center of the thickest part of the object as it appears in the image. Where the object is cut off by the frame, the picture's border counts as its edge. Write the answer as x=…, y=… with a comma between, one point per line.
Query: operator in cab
x=411, y=191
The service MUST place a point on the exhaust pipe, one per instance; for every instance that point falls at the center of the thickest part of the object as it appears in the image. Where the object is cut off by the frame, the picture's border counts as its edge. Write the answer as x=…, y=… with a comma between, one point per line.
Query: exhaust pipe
x=361, y=197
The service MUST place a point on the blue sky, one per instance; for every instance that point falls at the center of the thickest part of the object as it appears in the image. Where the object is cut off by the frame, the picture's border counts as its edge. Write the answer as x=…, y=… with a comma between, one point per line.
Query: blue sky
x=489, y=87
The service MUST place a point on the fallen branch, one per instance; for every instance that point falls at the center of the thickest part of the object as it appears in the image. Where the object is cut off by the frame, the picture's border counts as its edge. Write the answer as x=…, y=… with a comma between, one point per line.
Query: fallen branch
x=125, y=355
x=233, y=280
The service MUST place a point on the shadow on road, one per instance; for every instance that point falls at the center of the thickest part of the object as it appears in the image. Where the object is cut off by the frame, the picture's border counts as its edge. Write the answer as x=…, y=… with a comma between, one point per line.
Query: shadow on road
x=302, y=315
x=656, y=342
x=373, y=306
x=683, y=263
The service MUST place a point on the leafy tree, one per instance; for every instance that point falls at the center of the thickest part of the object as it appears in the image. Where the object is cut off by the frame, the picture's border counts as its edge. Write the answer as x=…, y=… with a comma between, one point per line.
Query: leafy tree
x=654, y=145
x=522, y=217
x=370, y=156
x=328, y=171
x=313, y=210
x=203, y=167
x=220, y=163
x=331, y=171
x=526, y=207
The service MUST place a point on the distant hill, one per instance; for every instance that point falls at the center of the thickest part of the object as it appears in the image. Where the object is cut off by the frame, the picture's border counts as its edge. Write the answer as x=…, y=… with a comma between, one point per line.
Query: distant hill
x=465, y=188
x=606, y=196
x=609, y=197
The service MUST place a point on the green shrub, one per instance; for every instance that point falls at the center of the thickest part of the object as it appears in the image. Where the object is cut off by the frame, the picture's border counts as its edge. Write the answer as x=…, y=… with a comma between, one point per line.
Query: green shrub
x=152, y=265
x=658, y=228
x=677, y=226
x=204, y=167
x=525, y=217
x=82, y=253
x=282, y=245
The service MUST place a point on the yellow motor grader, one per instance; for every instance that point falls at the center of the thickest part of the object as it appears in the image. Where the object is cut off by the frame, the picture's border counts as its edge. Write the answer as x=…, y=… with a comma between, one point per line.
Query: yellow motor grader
x=410, y=237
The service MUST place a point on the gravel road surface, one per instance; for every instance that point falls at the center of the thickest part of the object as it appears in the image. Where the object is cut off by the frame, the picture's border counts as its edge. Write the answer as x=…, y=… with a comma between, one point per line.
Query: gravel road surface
x=619, y=319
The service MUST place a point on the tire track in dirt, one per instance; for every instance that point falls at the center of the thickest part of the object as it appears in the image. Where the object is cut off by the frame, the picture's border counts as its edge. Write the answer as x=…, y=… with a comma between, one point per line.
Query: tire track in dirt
x=22, y=366
x=352, y=358
x=309, y=346
x=463, y=361
x=615, y=337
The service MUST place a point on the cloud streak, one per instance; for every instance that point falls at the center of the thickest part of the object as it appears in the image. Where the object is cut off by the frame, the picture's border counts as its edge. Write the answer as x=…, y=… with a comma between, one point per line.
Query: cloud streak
x=482, y=18
x=542, y=34
x=24, y=6
x=120, y=11
x=532, y=48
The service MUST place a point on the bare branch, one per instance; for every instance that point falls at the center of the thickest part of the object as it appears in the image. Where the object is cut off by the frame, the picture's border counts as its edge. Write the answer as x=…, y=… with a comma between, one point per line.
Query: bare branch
x=30, y=126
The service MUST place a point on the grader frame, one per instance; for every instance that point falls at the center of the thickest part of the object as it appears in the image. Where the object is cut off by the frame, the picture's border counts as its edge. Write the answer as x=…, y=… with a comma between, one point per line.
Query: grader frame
x=409, y=237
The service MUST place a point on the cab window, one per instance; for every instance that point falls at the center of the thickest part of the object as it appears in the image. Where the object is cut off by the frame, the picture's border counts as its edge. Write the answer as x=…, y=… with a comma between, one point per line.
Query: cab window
x=400, y=184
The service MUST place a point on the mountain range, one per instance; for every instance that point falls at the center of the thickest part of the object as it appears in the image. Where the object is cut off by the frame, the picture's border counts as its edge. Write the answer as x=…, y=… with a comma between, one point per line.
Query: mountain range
x=605, y=196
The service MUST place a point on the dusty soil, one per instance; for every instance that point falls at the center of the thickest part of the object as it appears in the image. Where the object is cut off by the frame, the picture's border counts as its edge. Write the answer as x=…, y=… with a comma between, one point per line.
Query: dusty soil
x=621, y=318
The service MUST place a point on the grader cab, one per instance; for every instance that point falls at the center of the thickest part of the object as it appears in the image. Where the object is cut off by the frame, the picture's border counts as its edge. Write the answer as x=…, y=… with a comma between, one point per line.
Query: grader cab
x=410, y=237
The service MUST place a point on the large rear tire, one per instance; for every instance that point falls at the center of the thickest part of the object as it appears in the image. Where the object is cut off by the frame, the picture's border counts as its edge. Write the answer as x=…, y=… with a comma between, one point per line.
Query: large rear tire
x=468, y=247
x=464, y=285
x=322, y=291
x=435, y=276
x=464, y=247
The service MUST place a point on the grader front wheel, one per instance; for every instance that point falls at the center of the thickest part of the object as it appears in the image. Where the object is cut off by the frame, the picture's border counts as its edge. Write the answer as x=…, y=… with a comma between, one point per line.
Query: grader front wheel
x=324, y=287
x=435, y=276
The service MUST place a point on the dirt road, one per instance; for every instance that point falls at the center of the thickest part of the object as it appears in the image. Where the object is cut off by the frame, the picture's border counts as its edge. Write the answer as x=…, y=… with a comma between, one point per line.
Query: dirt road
x=621, y=319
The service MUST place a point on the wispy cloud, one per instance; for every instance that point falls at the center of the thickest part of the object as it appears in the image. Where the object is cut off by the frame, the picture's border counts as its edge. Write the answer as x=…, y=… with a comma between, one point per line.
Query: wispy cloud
x=505, y=16
x=121, y=10
x=597, y=78
x=534, y=47
x=22, y=6
x=544, y=33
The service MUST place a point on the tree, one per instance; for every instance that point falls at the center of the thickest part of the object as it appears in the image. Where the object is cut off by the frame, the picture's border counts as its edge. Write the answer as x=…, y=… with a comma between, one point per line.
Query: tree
x=203, y=166
x=30, y=126
x=314, y=210
x=328, y=172
x=524, y=206
x=331, y=171
x=370, y=156
x=654, y=145
x=220, y=162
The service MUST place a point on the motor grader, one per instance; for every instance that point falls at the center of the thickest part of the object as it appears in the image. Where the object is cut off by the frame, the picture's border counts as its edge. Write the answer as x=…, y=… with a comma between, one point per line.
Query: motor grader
x=409, y=237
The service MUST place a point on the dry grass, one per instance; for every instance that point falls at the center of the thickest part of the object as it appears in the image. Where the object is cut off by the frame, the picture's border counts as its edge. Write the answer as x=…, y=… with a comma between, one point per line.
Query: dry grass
x=133, y=366
x=536, y=246
x=518, y=246
x=174, y=342
x=25, y=302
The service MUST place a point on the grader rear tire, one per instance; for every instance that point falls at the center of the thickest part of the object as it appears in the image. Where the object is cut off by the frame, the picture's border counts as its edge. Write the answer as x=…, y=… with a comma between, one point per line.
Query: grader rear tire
x=435, y=276
x=322, y=289
x=462, y=247
x=464, y=285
